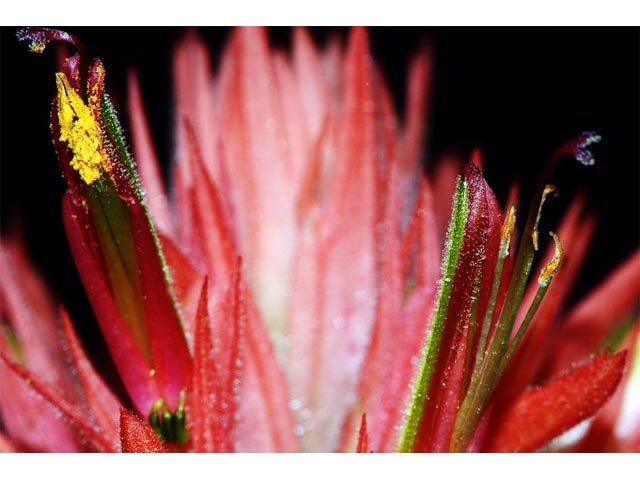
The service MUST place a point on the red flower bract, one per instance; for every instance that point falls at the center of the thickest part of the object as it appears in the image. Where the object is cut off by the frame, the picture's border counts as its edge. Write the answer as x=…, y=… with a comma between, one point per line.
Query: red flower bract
x=297, y=290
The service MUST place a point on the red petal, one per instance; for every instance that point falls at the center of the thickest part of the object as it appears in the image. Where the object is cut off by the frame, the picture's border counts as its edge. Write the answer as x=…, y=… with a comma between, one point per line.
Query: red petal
x=146, y=159
x=137, y=436
x=31, y=312
x=102, y=403
x=421, y=249
x=537, y=416
x=601, y=436
x=314, y=94
x=213, y=238
x=387, y=369
x=194, y=100
x=363, y=438
x=195, y=103
x=185, y=280
x=294, y=121
x=6, y=446
x=202, y=404
x=333, y=308
x=32, y=423
x=259, y=164
x=212, y=402
x=415, y=123
x=71, y=412
x=264, y=417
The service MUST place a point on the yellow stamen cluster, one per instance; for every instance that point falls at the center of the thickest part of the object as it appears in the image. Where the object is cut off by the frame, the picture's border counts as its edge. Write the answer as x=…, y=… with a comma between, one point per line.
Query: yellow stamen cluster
x=80, y=130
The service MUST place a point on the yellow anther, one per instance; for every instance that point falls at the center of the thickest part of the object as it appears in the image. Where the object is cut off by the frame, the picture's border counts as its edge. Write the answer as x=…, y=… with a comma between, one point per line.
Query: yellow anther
x=507, y=231
x=550, y=269
x=80, y=130
x=548, y=189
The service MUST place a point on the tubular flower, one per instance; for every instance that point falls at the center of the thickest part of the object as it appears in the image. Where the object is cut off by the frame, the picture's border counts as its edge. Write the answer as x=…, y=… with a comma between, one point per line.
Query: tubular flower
x=299, y=289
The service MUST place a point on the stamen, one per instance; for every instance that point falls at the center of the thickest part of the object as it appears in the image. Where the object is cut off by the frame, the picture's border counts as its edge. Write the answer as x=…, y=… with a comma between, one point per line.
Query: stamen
x=550, y=269
x=503, y=252
x=507, y=232
x=548, y=189
x=546, y=275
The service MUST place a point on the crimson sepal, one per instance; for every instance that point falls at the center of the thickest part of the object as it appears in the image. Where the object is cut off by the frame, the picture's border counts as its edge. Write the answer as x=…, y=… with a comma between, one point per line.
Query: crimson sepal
x=473, y=274
x=537, y=416
x=136, y=436
x=128, y=359
x=171, y=358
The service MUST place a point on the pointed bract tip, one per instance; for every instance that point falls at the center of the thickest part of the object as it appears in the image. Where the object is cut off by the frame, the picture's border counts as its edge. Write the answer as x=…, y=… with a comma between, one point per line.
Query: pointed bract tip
x=363, y=436
x=136, y=436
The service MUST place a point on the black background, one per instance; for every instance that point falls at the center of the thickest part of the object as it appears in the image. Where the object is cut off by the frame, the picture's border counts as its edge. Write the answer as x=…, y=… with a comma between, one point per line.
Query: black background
x=516, y=93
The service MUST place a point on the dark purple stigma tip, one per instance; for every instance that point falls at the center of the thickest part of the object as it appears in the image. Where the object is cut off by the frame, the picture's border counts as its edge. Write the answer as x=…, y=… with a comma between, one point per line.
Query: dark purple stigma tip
x=580, y=150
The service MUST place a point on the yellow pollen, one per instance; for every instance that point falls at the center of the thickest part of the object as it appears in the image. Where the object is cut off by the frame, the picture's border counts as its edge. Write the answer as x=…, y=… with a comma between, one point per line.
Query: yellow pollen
x=508, y=225
x=550, y=269
x=548, y=189
x=81, y=132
